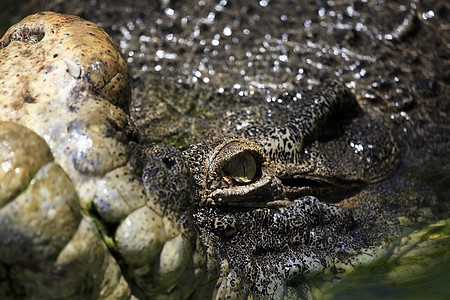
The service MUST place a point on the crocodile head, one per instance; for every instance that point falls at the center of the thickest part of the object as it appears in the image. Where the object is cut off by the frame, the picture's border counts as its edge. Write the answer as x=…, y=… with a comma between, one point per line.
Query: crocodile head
x=265, y=197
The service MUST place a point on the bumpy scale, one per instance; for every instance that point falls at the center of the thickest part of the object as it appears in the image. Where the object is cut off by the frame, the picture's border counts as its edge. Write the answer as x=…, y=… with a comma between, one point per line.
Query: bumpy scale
x=64, y=78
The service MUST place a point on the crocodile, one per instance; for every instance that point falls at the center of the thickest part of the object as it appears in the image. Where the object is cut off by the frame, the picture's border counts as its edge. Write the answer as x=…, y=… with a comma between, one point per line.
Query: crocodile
x=257, y=231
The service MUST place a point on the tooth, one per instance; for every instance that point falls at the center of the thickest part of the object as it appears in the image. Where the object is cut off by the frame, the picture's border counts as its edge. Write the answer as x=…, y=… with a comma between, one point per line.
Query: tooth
x=73, y=68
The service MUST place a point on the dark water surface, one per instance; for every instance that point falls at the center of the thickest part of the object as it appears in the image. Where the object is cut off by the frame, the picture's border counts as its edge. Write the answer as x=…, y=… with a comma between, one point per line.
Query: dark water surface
x=395, y=55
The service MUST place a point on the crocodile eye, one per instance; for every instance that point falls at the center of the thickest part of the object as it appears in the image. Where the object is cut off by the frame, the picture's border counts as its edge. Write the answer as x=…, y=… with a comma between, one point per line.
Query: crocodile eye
x=242, y=168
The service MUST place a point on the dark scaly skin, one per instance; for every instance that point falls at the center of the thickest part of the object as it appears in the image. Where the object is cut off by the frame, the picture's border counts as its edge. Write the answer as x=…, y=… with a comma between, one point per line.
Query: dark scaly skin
x=268, y=236
x=266, y=248
x=284, y=142
x=303, y=149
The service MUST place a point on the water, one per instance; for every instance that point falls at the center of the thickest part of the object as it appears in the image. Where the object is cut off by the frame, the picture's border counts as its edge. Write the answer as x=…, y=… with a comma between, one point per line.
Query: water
x=422, y=271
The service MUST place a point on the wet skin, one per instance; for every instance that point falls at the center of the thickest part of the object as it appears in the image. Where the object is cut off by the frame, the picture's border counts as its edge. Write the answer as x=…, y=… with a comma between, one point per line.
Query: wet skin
x=255, y=192
x=231, y=215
